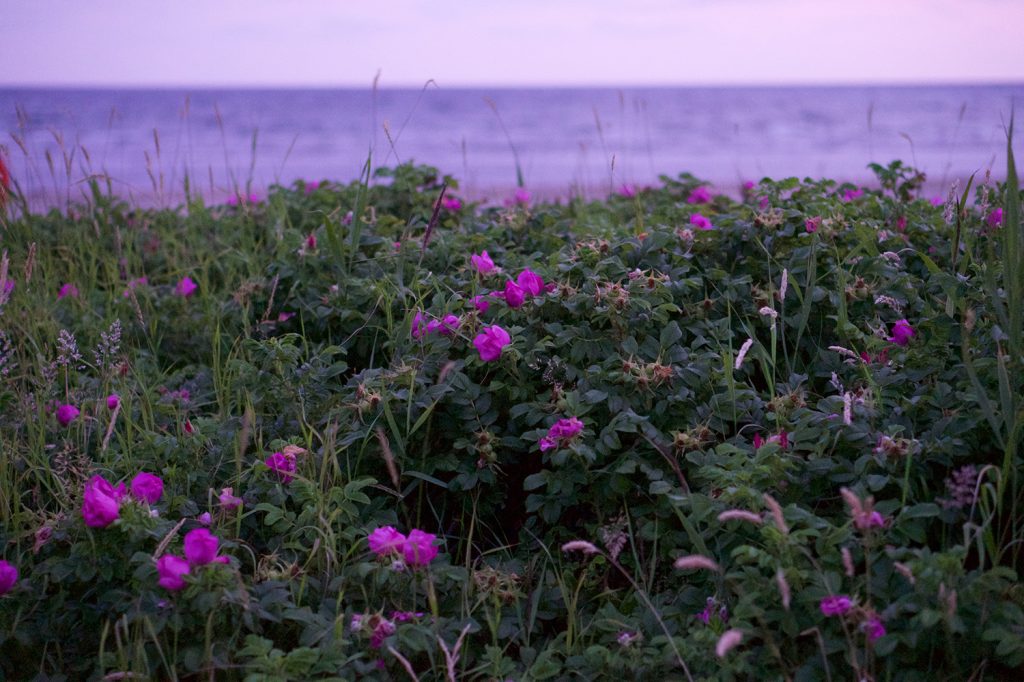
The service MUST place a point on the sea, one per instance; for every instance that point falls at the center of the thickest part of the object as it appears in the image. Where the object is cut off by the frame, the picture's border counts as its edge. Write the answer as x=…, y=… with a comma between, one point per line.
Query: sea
x=555, y=141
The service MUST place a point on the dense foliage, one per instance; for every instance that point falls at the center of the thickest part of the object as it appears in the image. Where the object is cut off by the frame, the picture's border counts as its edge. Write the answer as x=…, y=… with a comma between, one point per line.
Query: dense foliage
x=668, y=435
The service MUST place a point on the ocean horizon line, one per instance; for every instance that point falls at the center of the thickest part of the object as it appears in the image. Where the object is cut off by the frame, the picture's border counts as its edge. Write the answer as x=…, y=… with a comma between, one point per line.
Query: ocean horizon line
x=409, y=87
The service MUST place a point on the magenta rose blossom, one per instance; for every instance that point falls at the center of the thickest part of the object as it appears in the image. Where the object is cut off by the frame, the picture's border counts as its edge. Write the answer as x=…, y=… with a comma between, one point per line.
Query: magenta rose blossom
x=67, y=290
x=873, y=628
x=8, y=577
x=483, y=263
x=561, y=432
x=451, y=204
x=101, y=503
x=995, y=217
x=186, y=287
x=490, y=342
x=147, y=487
x=418, y=326
x=566, y=428
x=901, y=333
x=228, y=499
x=531, y=282
x=480, y=303
x=67, y=414
x=836, y=605
x=812, y=224
x=701, y=195
x=449, y=324
x=113, y=401
x=520, y=197
x=514, y=294
x=419, y=549
x=700, y=222
x=386, y=540
x=172, y=570
x=201, y=548
x=851, y=194
x=282, y=465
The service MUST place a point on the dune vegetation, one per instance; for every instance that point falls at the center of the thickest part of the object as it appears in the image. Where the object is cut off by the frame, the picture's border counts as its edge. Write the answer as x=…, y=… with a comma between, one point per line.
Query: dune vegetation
x=372, y=430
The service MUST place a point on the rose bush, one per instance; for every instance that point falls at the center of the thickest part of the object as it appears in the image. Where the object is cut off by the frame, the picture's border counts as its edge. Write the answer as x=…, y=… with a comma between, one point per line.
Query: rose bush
x=701, y=438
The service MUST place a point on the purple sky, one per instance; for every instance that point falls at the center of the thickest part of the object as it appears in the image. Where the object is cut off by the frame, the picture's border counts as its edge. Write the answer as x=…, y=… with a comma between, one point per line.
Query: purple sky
x=520, y=42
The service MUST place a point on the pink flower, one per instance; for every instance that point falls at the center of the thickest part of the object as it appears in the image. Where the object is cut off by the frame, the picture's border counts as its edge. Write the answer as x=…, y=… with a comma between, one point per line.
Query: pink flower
x=67, y=290
x=580, y=546
x=204, y=518
x=700, y=195
x=451, y=204
x=901, y=333
x=312, y=187
x=282, y=465
x=67, y=414
x=419, y=549
x=514, y=294
x=385, y=541
x=781, y=439
x=696, y=562
x=186, y=287
x=101, y=503
x=740, y=515
x=172, y=570
x=8, y=577
x=480, y=303
x=449, y=324
x=870, y=520
x=8, y=286
x=519, y=198
x=901, y=223
x=700, y=222
x=851, y=194
x=482, y=262
x=113, y=401
x=560, y=433
x=228, y=499
x=813, y=224
x=994, y=219
x=490, y=342
x=201, y=548
x=531, y=282
x=135, y=284
x=873, y=628
x=728, y=641
x=628, y=190
x=418, y=327
x=311, y=241
x=937, y=200
x=381, y=631
x=403, y=616
x=748, y=186
x=835, y=605
x=147, y=487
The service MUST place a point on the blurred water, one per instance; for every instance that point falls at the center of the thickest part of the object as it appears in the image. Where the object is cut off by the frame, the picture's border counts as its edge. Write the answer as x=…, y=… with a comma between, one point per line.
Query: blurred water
x=590, y=138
